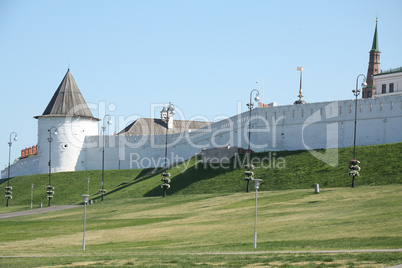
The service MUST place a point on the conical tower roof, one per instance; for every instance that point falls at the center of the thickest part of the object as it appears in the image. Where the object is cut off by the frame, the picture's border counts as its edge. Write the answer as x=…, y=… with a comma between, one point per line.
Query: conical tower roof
x=375, y=47
x=67, y=100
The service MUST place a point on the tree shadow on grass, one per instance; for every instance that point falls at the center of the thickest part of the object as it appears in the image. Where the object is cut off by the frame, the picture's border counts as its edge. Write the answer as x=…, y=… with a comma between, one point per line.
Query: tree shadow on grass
x=196, y=173
x=147, y=171
x=142, y=176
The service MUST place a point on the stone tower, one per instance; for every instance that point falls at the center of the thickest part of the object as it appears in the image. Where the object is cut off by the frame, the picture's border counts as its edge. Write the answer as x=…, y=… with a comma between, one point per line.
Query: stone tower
x=373, y=68
x=69, y=119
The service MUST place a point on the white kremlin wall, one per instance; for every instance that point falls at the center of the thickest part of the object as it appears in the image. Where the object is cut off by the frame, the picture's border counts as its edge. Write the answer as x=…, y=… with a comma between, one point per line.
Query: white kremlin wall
x=291, y=127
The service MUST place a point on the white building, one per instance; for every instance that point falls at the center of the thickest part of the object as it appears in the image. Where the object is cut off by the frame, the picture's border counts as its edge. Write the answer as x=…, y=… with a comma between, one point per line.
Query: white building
x=389, y=82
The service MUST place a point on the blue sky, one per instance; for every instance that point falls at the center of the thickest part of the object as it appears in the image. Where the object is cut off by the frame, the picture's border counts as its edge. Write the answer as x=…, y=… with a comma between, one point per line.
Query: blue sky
x=203, y=56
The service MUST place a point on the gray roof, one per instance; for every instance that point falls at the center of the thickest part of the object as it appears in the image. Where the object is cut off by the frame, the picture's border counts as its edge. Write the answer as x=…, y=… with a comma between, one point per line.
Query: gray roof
x=67, y=100
x=153, y=126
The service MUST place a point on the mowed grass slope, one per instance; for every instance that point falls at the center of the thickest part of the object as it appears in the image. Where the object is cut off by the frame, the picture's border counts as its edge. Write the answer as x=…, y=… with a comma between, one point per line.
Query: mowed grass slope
x=283, y=170
x=127, y=231
x=207, y=211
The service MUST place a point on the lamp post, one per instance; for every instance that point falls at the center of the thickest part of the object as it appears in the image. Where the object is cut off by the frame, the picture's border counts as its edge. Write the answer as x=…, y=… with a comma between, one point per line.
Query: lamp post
x=256, y=186
x=166, y=181
x=103, y=191
x=353, y=165
x=249, y=167
x=50, y=188
x=8, y=188
x=85, y=196
x=32, y=185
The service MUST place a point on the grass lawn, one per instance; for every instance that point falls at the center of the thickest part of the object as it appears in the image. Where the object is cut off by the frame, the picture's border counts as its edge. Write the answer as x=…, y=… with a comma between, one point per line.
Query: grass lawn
x=380, y=165
x=187, y=230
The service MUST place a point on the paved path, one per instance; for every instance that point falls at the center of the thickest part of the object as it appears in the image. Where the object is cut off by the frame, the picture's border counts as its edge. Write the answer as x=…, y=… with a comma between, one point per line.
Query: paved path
x=221, y=253
x=296, y=252
x=36, y=211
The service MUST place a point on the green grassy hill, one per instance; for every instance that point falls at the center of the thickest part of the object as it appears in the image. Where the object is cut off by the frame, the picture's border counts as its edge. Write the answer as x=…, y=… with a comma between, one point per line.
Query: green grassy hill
x=205, y=230
x=207, y=219
x=381, y=165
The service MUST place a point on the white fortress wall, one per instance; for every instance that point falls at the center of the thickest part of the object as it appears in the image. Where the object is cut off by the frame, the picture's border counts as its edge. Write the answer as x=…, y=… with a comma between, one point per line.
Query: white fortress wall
x=22, y=167
x=291, y=127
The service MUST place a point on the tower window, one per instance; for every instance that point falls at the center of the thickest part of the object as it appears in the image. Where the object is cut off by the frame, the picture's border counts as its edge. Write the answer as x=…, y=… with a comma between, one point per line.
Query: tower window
x=391, y=87
x=384, y=88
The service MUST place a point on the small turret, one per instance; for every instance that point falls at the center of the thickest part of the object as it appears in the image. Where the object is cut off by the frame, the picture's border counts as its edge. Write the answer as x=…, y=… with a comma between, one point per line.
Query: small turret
x=167, y=115
x=164, y=113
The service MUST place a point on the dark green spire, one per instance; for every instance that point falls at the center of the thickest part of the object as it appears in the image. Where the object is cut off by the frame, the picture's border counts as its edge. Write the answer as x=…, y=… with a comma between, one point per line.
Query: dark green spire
x=375, y=39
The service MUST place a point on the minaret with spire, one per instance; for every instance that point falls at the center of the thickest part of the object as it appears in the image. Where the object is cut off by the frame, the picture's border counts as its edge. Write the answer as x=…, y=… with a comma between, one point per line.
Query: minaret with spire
x=374, y=66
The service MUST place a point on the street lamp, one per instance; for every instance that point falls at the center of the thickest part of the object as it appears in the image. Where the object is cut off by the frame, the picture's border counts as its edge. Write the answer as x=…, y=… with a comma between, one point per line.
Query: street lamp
x=103, y=191
x=353, y=164
x=166, y=181
x=249, y=166
x=32, y=185
x=256, y=186
x=50, y=188
x=8, y=187
x=85, y=196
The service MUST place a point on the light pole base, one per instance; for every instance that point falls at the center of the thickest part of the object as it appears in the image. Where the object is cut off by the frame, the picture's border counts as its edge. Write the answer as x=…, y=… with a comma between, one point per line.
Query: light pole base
x=255, y=240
